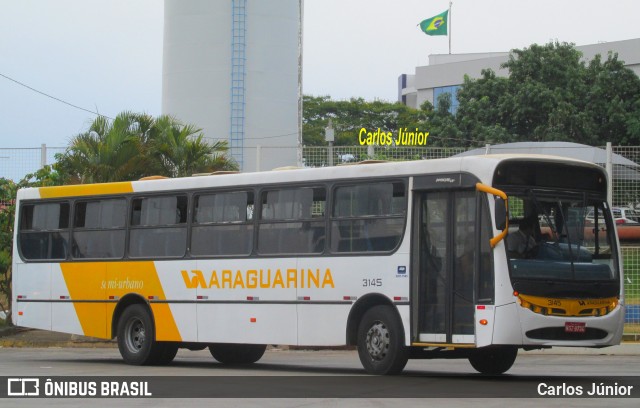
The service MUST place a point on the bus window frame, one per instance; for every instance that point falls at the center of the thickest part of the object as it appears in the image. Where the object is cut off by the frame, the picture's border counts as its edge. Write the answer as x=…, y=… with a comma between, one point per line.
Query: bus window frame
x=354, y=182
x=193, y=196
x=68, y=230
x=72, y=228
x=186, y=225
x=259, y=221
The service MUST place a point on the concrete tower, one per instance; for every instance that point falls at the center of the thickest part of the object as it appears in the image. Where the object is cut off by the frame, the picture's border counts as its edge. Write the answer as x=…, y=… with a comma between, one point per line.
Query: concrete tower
x=233, y=68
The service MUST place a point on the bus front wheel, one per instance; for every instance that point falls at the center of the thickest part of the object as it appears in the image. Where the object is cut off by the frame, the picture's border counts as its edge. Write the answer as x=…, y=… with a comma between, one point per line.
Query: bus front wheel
x=136, y=339
x=381, y=342
x=228, y=353
x=493, y=360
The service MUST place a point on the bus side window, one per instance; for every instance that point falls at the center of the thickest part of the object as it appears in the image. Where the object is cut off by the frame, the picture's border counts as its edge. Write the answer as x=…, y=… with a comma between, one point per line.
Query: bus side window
x=44, y=231
x=222, y=224
x=368, y=217
x=292, y=221
x=158, y=227
x=99, y=229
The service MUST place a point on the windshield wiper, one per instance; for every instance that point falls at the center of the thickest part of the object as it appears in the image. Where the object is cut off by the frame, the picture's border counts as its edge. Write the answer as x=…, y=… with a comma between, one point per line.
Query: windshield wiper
x=566, y=227
x=581, y=223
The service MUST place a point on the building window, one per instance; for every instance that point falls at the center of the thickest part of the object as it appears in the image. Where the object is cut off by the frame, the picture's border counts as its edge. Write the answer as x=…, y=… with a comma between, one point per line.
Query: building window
x=451, y=90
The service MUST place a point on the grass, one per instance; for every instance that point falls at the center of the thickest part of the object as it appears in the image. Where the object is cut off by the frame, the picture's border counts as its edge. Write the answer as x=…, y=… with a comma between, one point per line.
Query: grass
x=632, y=328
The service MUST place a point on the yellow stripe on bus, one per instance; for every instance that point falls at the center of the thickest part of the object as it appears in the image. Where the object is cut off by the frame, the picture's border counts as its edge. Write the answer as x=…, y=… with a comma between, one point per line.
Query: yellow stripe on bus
x=87, y=281
x=86, y=190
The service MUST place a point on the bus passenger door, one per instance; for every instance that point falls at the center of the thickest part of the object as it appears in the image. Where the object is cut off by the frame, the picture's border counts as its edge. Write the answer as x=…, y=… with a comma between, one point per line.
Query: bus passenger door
x=444, y=251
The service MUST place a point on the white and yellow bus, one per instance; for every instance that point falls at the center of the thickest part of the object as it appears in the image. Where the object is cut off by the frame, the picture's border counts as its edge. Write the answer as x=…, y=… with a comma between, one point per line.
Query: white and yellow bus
x=403, y=260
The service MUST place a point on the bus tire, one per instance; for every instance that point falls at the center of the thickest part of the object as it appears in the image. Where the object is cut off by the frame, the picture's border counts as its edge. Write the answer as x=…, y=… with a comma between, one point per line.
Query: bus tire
x=166, y=353
x=493, y=360
x=136, y=336
x=230, y=353
x=381, y=342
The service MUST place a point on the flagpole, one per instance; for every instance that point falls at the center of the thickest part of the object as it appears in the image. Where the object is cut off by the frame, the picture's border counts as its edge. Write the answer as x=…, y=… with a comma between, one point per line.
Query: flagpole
x=450, y=3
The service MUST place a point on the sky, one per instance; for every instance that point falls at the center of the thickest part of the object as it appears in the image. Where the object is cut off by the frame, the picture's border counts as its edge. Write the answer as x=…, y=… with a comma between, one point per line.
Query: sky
x=106, y=55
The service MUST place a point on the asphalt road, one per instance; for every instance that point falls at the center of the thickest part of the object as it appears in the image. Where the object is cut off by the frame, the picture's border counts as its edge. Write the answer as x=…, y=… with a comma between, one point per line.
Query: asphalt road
x=325, y=375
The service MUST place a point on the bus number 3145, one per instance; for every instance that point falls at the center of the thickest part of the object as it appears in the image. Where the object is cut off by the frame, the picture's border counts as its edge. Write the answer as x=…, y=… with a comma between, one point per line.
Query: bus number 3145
x=366, y=282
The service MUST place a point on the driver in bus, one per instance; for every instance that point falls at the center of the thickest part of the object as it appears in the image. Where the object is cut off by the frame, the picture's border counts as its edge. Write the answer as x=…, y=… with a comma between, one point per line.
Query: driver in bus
x=522, y=244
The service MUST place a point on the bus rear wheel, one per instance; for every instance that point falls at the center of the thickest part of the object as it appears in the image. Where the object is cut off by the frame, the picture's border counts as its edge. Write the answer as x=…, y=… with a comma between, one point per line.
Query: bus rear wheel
x=230, y=353
x=494, y=360
x=381, y=342
x=136, y=339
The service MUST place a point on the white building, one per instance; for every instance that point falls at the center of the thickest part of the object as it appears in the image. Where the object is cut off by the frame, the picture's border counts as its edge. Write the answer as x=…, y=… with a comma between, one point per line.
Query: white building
x=445, y=72
x=233, y=68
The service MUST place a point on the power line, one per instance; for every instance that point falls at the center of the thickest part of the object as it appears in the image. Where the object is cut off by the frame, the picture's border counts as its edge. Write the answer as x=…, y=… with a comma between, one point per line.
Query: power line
x=246, y=138
x=53, y=97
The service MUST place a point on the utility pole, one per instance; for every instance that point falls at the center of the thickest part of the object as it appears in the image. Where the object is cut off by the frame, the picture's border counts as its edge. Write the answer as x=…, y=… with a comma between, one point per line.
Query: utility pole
x=329, y=136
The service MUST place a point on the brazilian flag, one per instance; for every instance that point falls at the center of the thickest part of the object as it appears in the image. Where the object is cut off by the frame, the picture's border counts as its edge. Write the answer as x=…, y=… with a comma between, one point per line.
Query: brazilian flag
x=436, y=25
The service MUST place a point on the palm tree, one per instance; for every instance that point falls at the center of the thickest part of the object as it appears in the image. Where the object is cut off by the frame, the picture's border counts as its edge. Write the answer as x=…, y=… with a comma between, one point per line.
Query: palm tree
x=135, y=145
x=111, y=150
x=180, y=150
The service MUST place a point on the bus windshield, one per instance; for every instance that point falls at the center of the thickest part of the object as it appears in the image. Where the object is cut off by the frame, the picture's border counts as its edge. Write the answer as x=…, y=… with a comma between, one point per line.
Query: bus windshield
x=561, y=239
x=560, y=236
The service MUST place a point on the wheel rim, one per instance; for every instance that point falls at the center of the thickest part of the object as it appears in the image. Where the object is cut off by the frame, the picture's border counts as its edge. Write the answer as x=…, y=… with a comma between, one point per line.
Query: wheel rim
x=378, y=341
x=135, y=335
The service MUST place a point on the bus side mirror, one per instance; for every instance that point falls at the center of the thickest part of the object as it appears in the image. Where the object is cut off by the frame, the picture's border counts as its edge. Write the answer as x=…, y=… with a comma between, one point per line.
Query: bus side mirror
x=501, y=214
x=502, y=211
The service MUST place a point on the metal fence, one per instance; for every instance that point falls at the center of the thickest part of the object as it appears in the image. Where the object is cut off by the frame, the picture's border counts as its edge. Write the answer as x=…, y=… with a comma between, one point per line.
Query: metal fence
x=15, y=163
x=18, y=162
x=626, y=192
x=313, y=156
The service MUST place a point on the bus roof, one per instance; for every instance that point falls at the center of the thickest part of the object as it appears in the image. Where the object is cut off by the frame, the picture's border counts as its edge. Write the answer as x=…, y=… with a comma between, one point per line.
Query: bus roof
x=481, y=166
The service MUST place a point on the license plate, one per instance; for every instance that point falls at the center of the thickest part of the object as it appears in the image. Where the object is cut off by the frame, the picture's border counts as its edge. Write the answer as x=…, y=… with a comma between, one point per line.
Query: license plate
x=575, y=327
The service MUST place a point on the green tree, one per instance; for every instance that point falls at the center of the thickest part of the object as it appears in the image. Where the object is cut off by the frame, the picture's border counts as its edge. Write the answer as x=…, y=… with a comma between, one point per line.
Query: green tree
x=442, y=124
x=7, y=213
x=111, y=150
x=479, y=114
x=613, y=101
x=136, y=145
x=177, y=150
x=349, y=116
x=552, y=94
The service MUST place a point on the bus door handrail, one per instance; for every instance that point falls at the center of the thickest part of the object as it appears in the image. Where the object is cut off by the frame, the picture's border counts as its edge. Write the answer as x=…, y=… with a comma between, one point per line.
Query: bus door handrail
x=499, y=193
